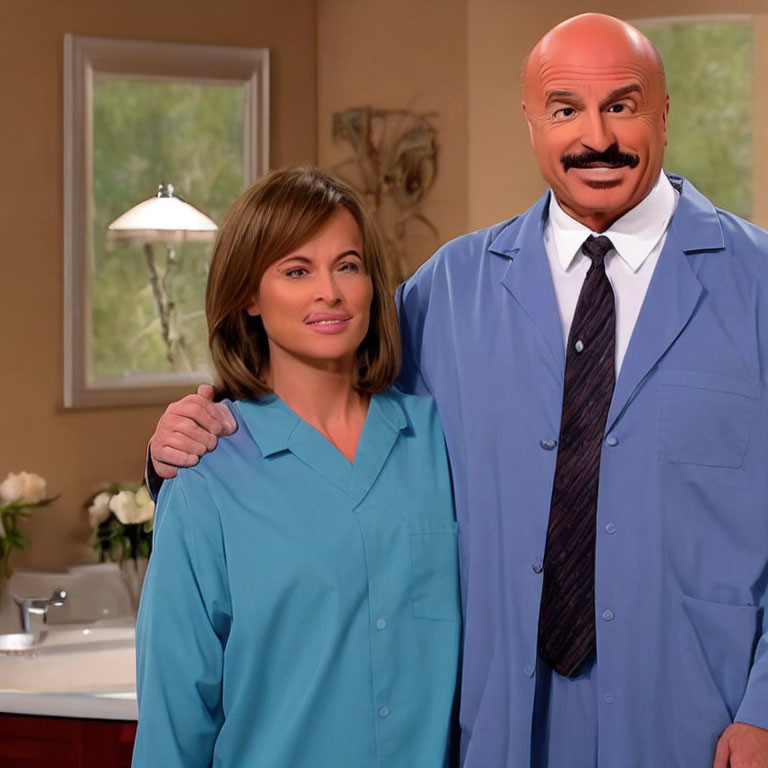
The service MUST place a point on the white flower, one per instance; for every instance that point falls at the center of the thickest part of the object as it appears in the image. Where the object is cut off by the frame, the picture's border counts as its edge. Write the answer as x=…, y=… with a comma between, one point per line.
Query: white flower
x=26, y=487
x=98, y=512
x=143, y=498
x=131, y=508
x=145, y=503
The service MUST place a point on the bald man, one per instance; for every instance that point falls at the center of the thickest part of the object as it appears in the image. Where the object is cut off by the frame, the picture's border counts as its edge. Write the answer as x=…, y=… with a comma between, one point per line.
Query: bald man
x=599, y=363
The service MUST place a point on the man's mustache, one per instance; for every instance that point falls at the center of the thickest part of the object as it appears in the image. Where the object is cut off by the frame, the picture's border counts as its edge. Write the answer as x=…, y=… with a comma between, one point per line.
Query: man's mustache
x=612, y=157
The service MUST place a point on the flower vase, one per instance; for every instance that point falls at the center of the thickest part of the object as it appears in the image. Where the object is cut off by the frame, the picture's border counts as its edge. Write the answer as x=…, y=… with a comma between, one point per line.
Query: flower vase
x=133, y=573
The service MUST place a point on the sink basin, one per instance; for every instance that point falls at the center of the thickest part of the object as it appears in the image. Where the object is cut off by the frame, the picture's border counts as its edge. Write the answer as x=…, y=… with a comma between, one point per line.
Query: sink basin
x=64, y=638
x=106, y=668
x=70, y=659
x=87, y=647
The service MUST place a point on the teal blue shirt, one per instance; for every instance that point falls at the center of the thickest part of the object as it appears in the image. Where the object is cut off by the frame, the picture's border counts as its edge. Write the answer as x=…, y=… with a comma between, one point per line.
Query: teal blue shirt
x=300, y=611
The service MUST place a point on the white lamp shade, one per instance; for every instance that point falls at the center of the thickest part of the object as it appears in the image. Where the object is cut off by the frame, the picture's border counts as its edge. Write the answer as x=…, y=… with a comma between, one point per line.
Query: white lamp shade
x=162, y=220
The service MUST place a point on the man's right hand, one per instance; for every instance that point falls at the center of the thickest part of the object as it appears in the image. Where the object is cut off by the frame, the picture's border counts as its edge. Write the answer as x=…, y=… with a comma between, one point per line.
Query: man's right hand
x=189, y=428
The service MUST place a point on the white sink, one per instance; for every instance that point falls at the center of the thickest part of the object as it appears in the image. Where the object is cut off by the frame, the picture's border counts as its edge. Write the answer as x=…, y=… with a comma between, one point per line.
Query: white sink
x=69, y=661
x=62, y=638
x=87, y=646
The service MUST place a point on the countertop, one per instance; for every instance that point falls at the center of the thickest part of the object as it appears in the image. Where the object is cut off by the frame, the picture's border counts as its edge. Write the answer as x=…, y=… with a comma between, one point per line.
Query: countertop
x=99, y=705
x=80, y=672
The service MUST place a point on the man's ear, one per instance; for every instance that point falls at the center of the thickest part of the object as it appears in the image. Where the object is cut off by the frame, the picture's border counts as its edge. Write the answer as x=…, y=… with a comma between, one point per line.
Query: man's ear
x=528, y=123
x=664, y=119
x=252, y=309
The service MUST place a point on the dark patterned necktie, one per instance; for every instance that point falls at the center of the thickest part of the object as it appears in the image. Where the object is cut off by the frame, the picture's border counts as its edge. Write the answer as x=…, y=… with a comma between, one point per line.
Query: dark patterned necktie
x=567, y=616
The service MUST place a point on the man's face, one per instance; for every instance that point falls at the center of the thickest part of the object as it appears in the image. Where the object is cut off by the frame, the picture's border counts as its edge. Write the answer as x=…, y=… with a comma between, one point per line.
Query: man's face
x=596, y=107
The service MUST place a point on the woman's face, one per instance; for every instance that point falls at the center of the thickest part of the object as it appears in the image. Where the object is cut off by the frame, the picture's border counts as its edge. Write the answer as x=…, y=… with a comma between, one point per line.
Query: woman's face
x=315, y=302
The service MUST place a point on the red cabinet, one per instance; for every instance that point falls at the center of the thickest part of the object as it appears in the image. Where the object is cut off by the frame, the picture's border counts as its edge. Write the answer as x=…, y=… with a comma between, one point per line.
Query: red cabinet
x=56, y=742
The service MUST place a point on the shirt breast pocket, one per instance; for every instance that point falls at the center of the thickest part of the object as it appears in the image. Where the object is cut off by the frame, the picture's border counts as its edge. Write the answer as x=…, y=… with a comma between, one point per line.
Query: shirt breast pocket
x=435, y=585
x=705, y=418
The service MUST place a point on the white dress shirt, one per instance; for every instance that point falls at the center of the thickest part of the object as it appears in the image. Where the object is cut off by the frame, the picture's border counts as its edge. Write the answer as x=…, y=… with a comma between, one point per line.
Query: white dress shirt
x=638, y=237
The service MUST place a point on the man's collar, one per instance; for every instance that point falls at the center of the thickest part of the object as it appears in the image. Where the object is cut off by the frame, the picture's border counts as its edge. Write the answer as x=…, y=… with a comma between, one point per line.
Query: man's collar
x=634, y=235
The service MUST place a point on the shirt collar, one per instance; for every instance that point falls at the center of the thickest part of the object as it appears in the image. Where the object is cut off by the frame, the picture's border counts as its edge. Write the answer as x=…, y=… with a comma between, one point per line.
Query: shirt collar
x=634, y=235
x=269, y=421
x=273, y=425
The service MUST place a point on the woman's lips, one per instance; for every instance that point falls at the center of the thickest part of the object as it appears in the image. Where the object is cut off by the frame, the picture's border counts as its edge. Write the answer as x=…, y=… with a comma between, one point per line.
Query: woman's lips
x=328, y=323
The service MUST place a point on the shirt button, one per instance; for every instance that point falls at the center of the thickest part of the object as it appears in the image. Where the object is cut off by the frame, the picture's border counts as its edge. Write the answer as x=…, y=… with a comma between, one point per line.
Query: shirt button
x=610, y=528
x=547, y=444
x=384, y=712
x=612, y=441
x=536, y=565
x=381, y=624
x=608, y=614
x=579, y=346
x=528, y=670
x=608, y=698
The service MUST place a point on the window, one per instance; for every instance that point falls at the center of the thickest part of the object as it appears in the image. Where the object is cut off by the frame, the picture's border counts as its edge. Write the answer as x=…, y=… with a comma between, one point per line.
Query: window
x=709, y=63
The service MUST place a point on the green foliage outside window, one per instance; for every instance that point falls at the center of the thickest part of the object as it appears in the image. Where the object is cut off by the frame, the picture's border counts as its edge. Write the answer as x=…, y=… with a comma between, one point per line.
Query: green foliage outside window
x=144, y=133
x=709, y=66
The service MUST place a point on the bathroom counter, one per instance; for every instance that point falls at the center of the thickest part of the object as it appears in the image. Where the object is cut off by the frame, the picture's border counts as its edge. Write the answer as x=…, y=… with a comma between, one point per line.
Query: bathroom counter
x=95, y=680
x=98, y=705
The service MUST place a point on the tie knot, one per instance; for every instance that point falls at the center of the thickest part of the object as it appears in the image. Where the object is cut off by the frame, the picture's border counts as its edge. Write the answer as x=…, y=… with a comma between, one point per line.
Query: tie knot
x=596, y=248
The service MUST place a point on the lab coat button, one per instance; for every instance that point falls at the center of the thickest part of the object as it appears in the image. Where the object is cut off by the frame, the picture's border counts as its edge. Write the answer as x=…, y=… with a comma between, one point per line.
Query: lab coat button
x=381, y=624
x=547, y=444
x=608, y=614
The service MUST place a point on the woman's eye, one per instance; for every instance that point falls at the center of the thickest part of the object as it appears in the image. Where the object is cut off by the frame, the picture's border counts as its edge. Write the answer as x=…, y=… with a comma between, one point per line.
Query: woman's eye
x=296, y=272
x=350, y=266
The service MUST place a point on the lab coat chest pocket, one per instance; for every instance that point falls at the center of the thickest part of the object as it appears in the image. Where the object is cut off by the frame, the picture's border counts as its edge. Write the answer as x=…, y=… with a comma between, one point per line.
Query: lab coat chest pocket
x=435, y=585
x=705, y=418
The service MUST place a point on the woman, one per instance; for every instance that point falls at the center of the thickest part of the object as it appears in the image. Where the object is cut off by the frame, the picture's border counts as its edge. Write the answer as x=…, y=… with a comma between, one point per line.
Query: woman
x=301, y=604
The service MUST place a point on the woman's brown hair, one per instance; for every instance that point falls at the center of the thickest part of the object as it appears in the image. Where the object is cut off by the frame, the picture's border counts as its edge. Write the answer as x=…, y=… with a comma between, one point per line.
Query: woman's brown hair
x=275, y=216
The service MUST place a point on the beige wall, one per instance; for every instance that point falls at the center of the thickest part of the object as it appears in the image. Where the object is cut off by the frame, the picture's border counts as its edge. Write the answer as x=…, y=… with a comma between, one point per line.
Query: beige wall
x=400, y=54
x=76, y=450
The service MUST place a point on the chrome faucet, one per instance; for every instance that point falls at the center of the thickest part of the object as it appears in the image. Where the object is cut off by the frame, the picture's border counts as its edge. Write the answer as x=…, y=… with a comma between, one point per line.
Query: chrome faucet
x=34, y=610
